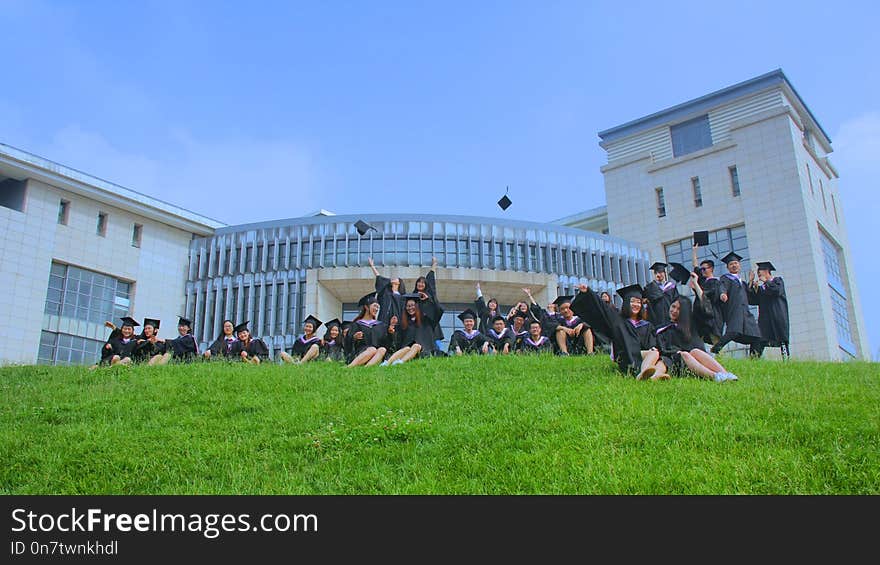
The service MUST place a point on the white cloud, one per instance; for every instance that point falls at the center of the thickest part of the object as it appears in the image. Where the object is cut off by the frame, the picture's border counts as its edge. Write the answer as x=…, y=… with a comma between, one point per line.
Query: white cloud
x=233, y=180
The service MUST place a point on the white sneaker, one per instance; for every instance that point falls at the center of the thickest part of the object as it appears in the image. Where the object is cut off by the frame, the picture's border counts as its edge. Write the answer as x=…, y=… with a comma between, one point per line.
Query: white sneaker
x=383, y=363
x=397, y=362
x=732, y=377
x=720, y=377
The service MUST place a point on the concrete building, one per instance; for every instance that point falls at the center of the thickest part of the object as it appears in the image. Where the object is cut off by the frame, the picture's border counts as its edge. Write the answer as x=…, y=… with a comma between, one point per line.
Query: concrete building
x=75, y=251
x=750, y=164
x=276, y=273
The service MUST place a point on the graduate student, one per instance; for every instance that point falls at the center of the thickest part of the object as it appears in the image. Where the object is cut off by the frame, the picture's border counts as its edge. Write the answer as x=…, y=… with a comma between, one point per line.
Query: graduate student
x=548, y=317
x=708, y=316
x=389, y=295
x=306, y=347
x=739, y=323
x=223, y=346
x=535, y=341
x=519, y=329
x=634, y=343
x=251, y=349
x=183, y=348
x=150, y=347
x=331, y=344
x=768, y=293
x=500, y=337
x=485, y=310
x=573, y=334
x=468, y=340
x=367, y=340
x=682, y=350
x=415, y=336
x=426, y=288
x=121, y=345
x=660, y=292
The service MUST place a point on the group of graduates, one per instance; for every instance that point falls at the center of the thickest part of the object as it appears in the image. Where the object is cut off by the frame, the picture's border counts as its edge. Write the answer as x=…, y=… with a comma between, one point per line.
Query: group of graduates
x=655, y=333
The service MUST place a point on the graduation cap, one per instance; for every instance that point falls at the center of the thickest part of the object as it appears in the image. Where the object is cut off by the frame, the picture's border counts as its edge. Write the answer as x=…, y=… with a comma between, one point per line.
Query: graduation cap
x=129, y=321
x=316, y=323
x=367, y=299
x=701, y=238
x=766, y=266
x=411, y=296
x=363, y=227
x=181, y=321
x=505, y=202
x=628, y=292
x=468, y=314
x=679, y=273
x=152, y=322
x=345, y=324
x=730, y=257
x=658, y=266
x=333, y=322
x=497, y=317
x=562, y=300
x=242, y=327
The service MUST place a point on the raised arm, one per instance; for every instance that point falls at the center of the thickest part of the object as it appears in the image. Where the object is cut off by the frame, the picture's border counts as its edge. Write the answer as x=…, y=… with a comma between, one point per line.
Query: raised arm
x=373, y=266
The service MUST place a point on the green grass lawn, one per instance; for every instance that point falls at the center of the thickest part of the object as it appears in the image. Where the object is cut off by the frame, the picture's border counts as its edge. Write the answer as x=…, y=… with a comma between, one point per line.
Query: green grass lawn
x=444, y=426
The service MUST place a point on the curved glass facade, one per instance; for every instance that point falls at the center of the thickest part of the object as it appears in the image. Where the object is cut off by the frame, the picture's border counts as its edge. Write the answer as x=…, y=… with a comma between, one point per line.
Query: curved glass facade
x=258, y=272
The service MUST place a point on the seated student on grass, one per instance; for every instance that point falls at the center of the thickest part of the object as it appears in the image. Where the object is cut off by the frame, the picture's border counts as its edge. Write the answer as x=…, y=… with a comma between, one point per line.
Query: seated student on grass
x=522, y=308
x=367, y=340
x=331, y=345
x=500, y=337
x=468, y=340
x=548, y=317
x=573, y=335
x=486, y=310
x=184, y=348
x=150, y=348
x=415, y=335
x=426, y=289
x=682, y=350
x=535, y=342
x=632, y=336
x=519, y=329
x=121, y=344
x=307, y=347
x=251, y=349
x=223, y=347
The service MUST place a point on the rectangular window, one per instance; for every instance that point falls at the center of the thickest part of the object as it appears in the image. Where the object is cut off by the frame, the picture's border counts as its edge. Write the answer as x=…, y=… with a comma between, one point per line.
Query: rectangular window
x=698, y=193
x=691, y=136
x=734, y=181
x=810, y=178
x=64, y=349
x=661, y=202
x=136, y=235
x=12, y=194
x=101, y=228
x=63, y=212
x=86, y=295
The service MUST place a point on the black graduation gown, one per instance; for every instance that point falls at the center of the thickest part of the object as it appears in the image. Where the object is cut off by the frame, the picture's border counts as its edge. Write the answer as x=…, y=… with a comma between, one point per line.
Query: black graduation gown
x=472, y=343
x=660, y=298
x=333, y=350
x=772, y=310
x=671, y=341
x=708, y=318
x=738, y=319
x=548, y=321
x=629, y=338
x=431, y=291
x=390, y=303
x=223, y=347
x=575, y=343
x=107, y=352
x=424, y=334
x=301, y=346
x=484, y=314
x=145, y=350
x=543, y=345
x=121, y=347
x=375, y=334
x=256, y=347
x=497, y=341
x=183, y=348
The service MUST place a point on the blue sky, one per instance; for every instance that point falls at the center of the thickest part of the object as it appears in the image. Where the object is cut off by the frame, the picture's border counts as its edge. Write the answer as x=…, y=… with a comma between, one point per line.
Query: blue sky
x=385, y=106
